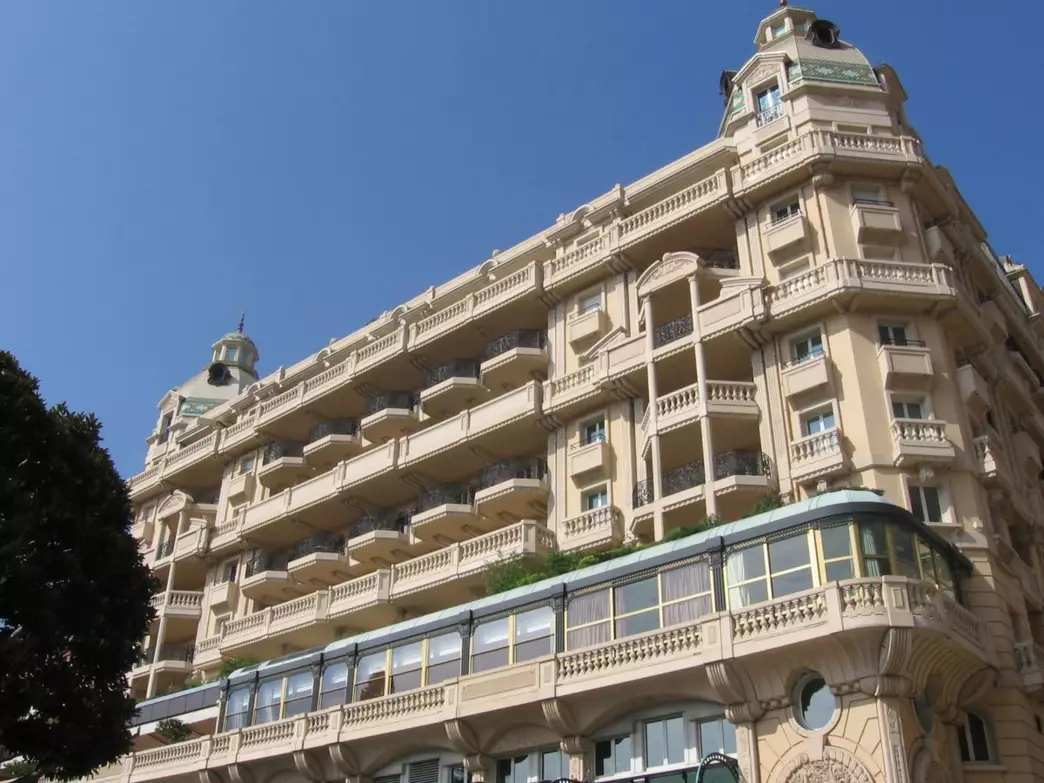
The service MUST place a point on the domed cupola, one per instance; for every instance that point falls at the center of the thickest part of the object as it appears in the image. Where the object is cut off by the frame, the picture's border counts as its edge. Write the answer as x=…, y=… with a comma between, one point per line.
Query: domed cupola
x=234, y=349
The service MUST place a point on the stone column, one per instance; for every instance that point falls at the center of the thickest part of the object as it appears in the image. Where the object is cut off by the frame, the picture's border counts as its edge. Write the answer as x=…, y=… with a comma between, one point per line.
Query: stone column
x=161, y=634
x=654, y=439
x=578, y=752
x=701, y=385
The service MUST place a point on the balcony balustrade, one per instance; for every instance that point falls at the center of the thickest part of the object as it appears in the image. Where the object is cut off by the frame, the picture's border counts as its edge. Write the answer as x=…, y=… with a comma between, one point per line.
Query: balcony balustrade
x=390, y=415
x=805, y=374
x=447, y=513
x=282, y=464
x=332, y=441
x=787, y=235
x=672, y=331
x=451, y=387
x=599, y=528
x=513, y=489
x=511, y=360
x=916, y=441
x=818, y=456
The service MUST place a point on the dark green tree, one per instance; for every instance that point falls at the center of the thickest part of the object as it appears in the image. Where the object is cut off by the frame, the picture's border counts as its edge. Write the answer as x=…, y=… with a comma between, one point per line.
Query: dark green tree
x=74, y=592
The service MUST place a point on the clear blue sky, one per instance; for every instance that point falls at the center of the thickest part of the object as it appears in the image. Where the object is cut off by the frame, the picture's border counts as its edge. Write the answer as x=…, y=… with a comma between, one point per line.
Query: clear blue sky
x=164, y=165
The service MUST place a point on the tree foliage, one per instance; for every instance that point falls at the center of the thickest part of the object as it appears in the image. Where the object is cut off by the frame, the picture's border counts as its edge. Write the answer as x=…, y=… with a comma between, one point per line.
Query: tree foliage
x=74, y=592
x=17, y=769
x=235, y=664
x=173, y=730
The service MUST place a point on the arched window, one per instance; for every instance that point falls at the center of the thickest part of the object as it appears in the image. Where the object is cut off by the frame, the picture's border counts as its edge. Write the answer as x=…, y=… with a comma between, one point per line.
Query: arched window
x=976, y=740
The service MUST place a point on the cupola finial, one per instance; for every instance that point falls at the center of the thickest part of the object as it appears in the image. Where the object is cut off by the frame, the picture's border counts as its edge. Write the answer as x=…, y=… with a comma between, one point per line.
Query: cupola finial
x=242, y=322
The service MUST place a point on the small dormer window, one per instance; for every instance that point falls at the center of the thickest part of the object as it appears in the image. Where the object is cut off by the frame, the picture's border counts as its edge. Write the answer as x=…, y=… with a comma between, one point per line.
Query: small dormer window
x=164, y=431
x=231, y=353
x=769, y=106
x=779, y=30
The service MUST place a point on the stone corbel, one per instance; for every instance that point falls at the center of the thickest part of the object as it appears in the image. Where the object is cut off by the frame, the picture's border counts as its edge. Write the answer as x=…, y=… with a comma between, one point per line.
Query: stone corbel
x=462, y=737
x=822, y=177
x=209, y=776
x=741, y=704
x=477, y=762
x=895, y=660
x=344, y=760
x=309, y=766
x=558, y=717
x=240, y=773
x=909, y=181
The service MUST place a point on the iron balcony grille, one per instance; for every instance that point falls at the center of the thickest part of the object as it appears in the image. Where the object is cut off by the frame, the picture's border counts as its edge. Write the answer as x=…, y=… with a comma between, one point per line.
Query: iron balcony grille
x=393, y=399
x=275, y=561
x=447, y=494
x=672, y=330
x=398, y=521
x=459, y=368
x=901, y=342
x=693, y=474
x=332, y=543
x=518, y=468
x=520, y=338
x=771, y=114
x=276, y=451
x=333, y=427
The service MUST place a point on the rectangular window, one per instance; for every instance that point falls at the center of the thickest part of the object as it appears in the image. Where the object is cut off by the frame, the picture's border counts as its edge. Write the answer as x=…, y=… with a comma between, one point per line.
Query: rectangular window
x=589, y=302
x=892, y=334
x=513, y=770
x=228, y=572
x=761, y=572
x=637, y=607
x=298, y=698
x=490, y=645
x=785, y=211
x=164, y=432
x=512, y=639
x=457, y=774
x=407, y=667
x=443, y=658
x=799, y=27
x=534, y=634
x=873, y=540
x=552, y=765
x=664, y=742
x=594, y=432
x=779, y=30
x=908, y=409
x=589, y=620
x=768, y=98
x=246, y=465
x=284, y=697
x=925, y=503
x=716, y=735
x=231, y=353
x=334, y=687
x=268, y=701
x=613, y=756
x=371, y=676
x=817, y=421
x=869, y=194
x=237, y=709
x=219, y=623
x=807, y=347
x=836, y=546
x=595, y=498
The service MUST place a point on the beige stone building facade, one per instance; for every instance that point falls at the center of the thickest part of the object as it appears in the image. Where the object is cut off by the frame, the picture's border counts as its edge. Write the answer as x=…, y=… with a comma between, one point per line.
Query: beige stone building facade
x=804, y=304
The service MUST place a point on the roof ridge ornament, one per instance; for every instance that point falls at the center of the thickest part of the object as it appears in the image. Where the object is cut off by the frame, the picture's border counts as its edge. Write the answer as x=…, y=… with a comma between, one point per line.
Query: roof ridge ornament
x=242, y=322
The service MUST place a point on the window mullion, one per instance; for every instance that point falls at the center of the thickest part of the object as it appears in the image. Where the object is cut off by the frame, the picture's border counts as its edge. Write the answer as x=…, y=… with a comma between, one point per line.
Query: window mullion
x=387, y=671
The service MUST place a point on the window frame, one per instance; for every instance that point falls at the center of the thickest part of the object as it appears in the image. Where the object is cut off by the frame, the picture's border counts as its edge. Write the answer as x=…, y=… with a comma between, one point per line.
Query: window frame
x=891, y=329
x=879, y=192
x=284, y=681
x=612, y=616
x=792, y=205
x=389, y=659
x=512, y=641
x=923, y=401
x=964, y=732
x=817, y=413
x=600, y=433
x=598, y=490
x=806, y=336
x=589, y=301
x=940, y=496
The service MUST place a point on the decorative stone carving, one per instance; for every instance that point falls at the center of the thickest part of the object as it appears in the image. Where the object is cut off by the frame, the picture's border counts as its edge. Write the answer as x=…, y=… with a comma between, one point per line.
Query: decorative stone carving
x=309, y=766
x=239, y=773
x=209, y=776
x=462, y=737
x=765, y=71
x=558, y=717
x=344, y=760
x=836, y=766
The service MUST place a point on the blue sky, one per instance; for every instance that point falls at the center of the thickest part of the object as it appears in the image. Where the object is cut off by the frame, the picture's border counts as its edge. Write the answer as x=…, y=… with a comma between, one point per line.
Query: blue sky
x=164, y=165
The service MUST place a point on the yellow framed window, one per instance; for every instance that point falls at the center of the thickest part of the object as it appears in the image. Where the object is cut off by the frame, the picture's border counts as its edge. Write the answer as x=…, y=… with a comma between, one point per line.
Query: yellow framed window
x=836, y=553
x=765, y=571
x=502, y=641
x=408, y=666
x=283, y=697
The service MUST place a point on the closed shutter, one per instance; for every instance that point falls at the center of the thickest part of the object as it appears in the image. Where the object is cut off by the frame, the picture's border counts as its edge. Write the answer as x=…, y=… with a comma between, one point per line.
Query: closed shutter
x=424, y=771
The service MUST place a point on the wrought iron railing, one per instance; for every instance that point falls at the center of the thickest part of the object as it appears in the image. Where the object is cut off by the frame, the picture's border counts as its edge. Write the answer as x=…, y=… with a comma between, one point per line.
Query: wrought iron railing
x=771, y=114
x=394, y=399
x=458, y=368
x=520, y=338
x=672, y=330
x=720, y=259
x=739, y=462
x=902, y=342
x=274, y=451
x=517, y=468
x=447, y=494
x=271, y=561
x=333, y=427
x=381, y=520
x=320, y=542
x=874, y=202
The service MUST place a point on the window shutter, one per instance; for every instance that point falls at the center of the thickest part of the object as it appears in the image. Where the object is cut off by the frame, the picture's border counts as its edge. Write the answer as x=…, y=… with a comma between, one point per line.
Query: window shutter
x=424, y=771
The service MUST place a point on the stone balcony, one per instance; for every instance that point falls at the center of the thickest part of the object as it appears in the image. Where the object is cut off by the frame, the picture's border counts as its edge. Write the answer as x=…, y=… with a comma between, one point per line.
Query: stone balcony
x=818, y=456
x=683, y=406
x=992, y=461
x=600, y=528
x=589, y=459
x=806, y=374
x=920, y=441
x=876, y=223
x=975, y=392
x=905, y=366
x=180, y=604
x=241, y=488
x=786, y=235
x=662, y=661
x=584, y=328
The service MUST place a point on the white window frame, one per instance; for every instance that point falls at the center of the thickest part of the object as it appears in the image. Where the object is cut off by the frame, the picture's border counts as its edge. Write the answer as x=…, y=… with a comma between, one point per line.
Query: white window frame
x=927, y=414
x=909, y=333
x=806, y=336
x=816, y=412
x=535, y=762
x=879, y=193
x=231, y=353
x=592, y=421
x=787, y=204
x=945, y=511
x=597, y=489
x=991, y=744
x=585, y=301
